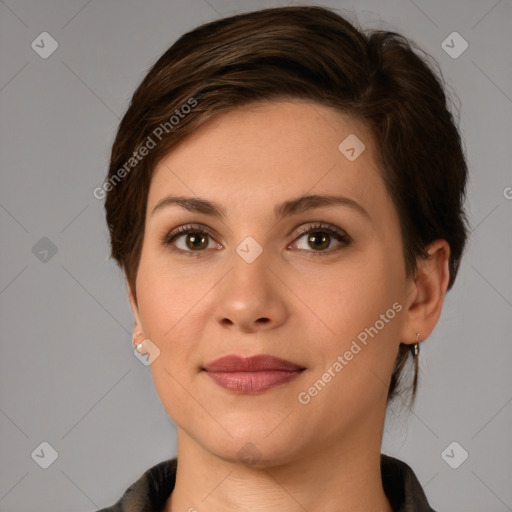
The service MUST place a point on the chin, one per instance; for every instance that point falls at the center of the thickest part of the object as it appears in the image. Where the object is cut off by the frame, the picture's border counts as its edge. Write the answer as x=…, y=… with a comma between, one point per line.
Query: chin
x=255, y=454
x=252, y=447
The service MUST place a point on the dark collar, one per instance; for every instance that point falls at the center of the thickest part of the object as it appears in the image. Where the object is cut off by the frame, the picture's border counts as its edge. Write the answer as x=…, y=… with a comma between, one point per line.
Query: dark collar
x=150, y=492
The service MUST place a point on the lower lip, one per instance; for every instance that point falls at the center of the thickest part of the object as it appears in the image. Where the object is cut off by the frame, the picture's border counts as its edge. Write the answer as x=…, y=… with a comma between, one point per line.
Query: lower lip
x=253, y=382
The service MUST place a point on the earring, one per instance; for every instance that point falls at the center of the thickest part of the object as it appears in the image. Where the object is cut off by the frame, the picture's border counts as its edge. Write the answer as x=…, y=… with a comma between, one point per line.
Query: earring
x=138, y=346
x=415, y=349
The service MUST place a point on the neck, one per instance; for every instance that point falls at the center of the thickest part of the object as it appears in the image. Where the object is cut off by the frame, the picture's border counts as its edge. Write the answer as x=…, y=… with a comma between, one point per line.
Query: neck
x=328, y=480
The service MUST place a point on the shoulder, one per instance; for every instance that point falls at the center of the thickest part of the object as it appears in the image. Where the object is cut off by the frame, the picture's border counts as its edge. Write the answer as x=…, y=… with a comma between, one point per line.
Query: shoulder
x=402, y=487
x=150, y=491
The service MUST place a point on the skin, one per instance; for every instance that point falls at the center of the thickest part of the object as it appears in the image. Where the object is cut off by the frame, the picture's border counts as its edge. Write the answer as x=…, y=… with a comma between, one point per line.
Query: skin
x=291, y=302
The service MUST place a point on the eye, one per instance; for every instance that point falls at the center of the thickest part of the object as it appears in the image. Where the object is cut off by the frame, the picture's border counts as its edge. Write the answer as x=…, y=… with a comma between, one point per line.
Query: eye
x=193, y=239
x=319, y=237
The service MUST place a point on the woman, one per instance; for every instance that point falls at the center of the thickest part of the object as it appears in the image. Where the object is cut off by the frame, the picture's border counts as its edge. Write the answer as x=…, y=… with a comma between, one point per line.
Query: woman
x=285, y=196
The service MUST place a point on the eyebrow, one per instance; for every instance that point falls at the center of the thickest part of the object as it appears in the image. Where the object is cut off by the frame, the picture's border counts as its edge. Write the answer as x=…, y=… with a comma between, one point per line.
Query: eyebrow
x=287, y=208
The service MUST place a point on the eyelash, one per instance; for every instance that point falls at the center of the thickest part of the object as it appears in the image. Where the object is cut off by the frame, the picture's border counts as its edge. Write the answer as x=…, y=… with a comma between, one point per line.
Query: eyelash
x=338, y=234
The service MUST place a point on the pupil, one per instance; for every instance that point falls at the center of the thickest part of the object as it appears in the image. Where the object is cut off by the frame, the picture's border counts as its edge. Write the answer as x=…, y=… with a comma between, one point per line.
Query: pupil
x=192, y=239
x=323, y=238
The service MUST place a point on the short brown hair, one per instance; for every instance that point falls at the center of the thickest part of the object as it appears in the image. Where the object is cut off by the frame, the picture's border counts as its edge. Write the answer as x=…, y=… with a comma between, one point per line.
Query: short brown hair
x=307, y=53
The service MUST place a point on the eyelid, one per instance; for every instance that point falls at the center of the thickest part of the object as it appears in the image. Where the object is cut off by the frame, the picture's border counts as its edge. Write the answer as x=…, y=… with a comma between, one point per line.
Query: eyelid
x=170, y=236
x=341, y=236
x=314, y=226
x=320, y=225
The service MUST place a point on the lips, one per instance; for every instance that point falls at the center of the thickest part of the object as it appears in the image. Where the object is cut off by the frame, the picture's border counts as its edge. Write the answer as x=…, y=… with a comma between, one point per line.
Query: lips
x=251, y=374
x=250, y=364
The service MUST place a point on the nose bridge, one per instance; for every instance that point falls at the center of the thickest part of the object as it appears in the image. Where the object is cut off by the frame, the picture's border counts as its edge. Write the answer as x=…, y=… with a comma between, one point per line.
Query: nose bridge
x=251, y=270
x=251, y=296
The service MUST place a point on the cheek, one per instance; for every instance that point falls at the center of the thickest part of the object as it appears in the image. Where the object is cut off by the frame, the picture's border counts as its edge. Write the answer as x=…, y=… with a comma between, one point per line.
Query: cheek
x=353, y=371
x=360, y=304
x=351, y=296
x=166, y=305
x=166, y=297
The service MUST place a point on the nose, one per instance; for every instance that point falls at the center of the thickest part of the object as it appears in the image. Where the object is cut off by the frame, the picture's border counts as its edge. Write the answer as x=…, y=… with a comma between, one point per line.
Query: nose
x=251, y=297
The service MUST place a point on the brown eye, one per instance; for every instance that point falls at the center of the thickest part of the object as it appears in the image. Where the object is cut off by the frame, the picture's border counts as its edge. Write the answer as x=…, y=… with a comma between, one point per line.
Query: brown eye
x=189, y=239
x=319, y=238
x=196, y=241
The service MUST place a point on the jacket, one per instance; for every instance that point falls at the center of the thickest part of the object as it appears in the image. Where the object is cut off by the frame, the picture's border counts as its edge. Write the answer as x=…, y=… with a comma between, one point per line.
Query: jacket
x=150, y=492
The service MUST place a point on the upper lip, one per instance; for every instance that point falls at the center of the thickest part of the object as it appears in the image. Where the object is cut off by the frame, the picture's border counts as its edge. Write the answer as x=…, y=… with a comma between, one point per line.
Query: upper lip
x=262, y=362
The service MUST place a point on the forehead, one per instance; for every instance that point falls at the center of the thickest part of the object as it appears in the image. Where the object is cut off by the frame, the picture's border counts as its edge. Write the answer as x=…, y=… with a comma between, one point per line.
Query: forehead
x=268, y=152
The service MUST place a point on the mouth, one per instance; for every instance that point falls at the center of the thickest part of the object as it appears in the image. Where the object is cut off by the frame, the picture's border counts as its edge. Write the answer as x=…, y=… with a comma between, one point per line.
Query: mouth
x=251, y=374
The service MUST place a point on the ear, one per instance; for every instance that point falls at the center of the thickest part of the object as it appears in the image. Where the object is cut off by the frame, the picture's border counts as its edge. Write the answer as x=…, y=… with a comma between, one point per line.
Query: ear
x=426, y=293
x=135, y=309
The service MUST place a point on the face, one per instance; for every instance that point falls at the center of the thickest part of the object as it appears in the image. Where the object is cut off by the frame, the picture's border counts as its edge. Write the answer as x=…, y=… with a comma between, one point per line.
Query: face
x=318, y=284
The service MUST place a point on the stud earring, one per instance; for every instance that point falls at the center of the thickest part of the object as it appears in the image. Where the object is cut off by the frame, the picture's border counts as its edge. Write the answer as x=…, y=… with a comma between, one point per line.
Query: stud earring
x=138, y=346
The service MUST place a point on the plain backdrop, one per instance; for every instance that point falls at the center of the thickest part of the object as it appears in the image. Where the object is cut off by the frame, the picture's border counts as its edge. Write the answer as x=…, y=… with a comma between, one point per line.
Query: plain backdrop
x=69, y=378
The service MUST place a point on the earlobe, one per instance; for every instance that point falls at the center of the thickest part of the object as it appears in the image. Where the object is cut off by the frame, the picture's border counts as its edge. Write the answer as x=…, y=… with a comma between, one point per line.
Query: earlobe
x=428, y=292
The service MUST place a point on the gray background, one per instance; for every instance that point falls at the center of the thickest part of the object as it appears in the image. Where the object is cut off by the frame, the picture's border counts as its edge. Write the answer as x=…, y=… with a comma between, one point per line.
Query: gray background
x=68, y=373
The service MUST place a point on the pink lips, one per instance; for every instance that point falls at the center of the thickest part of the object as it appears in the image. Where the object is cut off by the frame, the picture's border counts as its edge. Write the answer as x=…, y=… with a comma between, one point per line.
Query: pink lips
x=251, y=374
